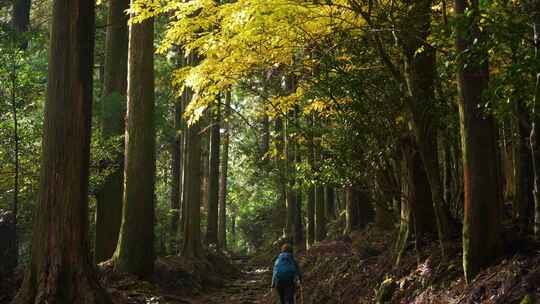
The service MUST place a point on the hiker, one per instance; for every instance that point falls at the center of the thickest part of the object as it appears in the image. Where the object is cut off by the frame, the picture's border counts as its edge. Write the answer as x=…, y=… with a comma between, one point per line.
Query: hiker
x=285, y=272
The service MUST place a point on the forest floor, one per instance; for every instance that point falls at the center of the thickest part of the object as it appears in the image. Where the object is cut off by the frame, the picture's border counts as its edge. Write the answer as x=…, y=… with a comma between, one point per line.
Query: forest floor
x=349, y=270
x=352, y=270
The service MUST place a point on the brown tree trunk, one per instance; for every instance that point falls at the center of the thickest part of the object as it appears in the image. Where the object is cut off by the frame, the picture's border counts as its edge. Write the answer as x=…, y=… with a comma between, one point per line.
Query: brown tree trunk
x=330, y=202
x=535, y=142
x=176, y=169
x=417, y=214
x=213, y=180
x=222, y=223
x=109, y=197
x=60, y=269
x=135, y=251
x=358, y=211
x=265, y=141
x=523, y=196
x=483, y=201
x=192, y=245
x=320, y=212
x=20, y=19
x=420, y=76
x=310, y=208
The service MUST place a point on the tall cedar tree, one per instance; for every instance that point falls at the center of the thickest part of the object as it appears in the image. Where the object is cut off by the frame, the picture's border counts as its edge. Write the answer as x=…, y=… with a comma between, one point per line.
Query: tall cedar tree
x=535, y=141
x=483, y=201
x=213, y=179
x=192, y=246
x=222, y=223
x=109, y=197
x=320, y=214
x=60, y=269
x=420, y=78
x=310, y=208
x=135, y=250
x=191, y=209
x=176, y=172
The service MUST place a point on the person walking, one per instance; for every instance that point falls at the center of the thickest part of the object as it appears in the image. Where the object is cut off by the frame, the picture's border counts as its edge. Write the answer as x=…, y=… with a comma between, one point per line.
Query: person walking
x=284, y=275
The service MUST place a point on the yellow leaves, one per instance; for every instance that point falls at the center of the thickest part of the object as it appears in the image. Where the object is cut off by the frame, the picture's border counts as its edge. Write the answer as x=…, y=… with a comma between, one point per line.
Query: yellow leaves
x=141, y=10
x=316, y=106
x=235, y=40
x=325, y=107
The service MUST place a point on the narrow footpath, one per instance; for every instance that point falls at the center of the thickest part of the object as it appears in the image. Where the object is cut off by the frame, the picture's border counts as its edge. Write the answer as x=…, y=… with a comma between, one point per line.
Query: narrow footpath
x=250, y=288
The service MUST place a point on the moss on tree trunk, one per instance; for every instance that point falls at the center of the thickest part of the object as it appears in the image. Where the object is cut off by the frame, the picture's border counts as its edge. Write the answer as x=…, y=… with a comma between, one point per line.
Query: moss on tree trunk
x=482, y=186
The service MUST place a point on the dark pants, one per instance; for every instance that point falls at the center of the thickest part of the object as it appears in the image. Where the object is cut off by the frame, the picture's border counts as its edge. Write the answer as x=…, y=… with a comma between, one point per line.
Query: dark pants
x=286, y=290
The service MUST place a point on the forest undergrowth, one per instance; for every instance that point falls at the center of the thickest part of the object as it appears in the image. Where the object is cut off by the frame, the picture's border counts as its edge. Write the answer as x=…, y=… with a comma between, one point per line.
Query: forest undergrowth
x=351, y=269
x=361, y=269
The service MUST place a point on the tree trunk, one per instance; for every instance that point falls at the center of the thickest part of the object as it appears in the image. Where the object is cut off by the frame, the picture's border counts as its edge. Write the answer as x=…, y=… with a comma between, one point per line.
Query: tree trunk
x=310, y=217
x=176, y=169
x=417, y=214
x=420, y=75
x=523, y=196
x=265, y=141
x=311, y=192
x=222, y=223
x=320, y=210
x=60, y=269
x=20, y=19
x=185, y=99
x=109, y=197
x=213, y=180
x=535, y=142
x=330, y=202
x=483, y=202
x=320, y=218
x=192, y=246
x=135, y=251
x=358, y=211
x=299, y=238
x=288, y=181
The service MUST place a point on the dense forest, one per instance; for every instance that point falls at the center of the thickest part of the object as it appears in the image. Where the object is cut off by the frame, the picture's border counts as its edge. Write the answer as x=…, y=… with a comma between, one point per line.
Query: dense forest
x=163, y=151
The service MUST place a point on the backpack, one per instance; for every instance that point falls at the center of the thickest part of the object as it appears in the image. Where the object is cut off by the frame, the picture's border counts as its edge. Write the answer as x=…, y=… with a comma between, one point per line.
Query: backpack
x=285, y=267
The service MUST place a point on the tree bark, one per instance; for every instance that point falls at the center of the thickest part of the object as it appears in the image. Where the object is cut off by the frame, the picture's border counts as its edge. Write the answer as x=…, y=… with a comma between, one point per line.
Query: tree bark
x=320, y=212
x=523, y=196
x=417, y=214
x=213, y=180
x=358, y=211
x=535, y=142
x=176, y=169
x=483, y=201
x=330, y=202
x=60, y=269
x=135, y=251
x=109, y=197
x=222, y=223
x=20, y=19
x=311, y=191
x=420, y=75
x=192, y=246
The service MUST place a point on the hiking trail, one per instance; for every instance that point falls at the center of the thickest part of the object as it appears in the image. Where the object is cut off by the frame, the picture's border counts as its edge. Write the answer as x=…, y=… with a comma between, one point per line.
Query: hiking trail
x=249, y=288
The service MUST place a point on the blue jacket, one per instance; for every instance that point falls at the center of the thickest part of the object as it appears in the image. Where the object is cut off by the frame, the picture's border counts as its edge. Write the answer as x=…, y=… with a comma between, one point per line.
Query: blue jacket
x=298, y=274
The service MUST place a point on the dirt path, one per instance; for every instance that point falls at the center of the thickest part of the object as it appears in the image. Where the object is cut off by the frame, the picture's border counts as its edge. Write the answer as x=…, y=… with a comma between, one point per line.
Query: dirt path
x=249, y=288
